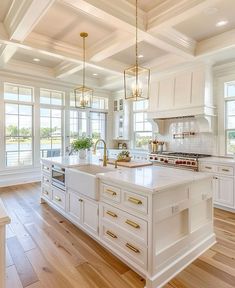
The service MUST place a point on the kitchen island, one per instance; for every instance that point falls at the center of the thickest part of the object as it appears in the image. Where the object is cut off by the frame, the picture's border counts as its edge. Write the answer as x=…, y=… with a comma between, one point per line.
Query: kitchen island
x=155, y=219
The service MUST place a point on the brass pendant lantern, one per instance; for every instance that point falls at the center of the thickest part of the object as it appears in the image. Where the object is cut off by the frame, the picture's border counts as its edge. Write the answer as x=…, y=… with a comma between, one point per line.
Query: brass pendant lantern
x=136, y=78
x=83, y=95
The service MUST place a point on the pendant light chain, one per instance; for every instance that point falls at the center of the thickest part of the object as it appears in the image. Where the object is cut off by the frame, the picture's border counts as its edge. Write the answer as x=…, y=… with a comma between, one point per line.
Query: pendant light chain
x=84, y=59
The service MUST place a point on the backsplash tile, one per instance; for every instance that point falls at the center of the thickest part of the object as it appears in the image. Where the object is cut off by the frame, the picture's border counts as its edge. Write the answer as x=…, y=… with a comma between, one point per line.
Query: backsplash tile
x=204, y=143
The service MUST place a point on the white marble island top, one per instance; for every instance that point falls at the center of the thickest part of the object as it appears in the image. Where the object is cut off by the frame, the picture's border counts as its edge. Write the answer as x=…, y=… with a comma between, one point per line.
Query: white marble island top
x=152, y=178
x=71, y=161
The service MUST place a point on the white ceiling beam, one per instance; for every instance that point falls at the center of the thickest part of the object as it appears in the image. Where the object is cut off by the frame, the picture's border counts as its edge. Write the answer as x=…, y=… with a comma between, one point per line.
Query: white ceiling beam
x=122, y=16
x=110, y=45
x=65, y=69
x=172, y=12
x=23, y=16
x=6, y=53
x=215, y=44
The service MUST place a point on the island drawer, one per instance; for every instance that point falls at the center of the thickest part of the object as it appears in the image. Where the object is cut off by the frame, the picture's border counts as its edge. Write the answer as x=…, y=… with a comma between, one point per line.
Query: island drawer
x=58, y=198
x=130, y=249
x=45, y=168
x=208, y=167
x=111, y=193
x=132, y=225
x=226, y=170
x=135, y=202
x=45, y=179
x=46, y=191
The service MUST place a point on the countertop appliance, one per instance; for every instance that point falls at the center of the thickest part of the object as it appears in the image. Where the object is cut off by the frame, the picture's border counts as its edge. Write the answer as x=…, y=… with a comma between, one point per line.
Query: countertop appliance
x=177, y=159
x=58, y=176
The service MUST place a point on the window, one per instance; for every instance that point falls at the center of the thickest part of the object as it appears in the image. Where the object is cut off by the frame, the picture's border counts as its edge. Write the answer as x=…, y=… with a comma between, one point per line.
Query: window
x=78, y=124
x=51, y=97
x=51, y=117
x=18, y=125
x=142, y=128
x=230, y=117
x=97, y=125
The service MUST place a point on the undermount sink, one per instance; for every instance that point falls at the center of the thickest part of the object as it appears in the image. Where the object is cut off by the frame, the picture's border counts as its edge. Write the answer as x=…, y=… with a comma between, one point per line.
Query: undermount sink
x=83, y=180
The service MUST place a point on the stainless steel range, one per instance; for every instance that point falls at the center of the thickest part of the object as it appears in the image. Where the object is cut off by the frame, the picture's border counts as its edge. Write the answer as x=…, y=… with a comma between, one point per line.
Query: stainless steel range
x=177, y=159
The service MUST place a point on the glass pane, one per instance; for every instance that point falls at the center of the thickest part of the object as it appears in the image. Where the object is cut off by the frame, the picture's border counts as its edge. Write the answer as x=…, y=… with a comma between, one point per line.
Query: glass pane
x=25, y=158
x=12, y=144
x=147, y=126
x=25, y=144
x=139, y=117
x=56, y=146
x=11, y=125
x=139, y=126
x=12, y=159
x=45, y=112
x=25, y=94
x=11, y=109
x=55, y=127
x=25, y=126
x=56, y=98
x=10, y=92
x=45, y=97
x=45, y=144
x=231, y=142
x=142, y=140
x=25, y=110
x=230, y=90
x=55, y=113
x=231, y=122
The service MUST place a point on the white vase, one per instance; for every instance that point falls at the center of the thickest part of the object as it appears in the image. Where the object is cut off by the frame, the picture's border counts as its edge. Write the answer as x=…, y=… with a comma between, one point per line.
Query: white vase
x=82, y=154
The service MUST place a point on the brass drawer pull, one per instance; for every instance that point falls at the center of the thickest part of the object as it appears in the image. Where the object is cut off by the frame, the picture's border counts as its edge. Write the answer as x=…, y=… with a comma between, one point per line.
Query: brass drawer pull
x=110, y=213
x=134, y=200
x=58, y=199
x=207, y=167
x=111, y=192
x=80, y=200
x=225, y=170
x=111, y=234
x=133, y=224
x=46, y=192
x=132, y=248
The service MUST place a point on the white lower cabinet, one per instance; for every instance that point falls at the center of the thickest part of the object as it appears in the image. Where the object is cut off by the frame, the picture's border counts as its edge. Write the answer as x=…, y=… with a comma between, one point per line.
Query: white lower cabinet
x=83, y=211
x=224, y=190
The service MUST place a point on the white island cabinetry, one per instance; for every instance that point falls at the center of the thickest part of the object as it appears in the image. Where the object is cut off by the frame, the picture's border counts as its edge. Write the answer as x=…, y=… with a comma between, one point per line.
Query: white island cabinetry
x=155, y=219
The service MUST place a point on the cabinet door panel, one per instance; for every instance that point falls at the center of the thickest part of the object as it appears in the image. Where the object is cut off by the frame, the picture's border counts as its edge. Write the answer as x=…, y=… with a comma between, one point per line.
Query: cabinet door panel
x=224, y=191
x=90, y=216
x=75, y=207
x=183, y=90
x=166, y=97
x=198, y=87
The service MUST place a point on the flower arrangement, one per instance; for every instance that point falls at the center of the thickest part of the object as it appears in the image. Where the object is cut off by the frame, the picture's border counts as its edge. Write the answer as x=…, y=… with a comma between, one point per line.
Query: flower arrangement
x=124, y=156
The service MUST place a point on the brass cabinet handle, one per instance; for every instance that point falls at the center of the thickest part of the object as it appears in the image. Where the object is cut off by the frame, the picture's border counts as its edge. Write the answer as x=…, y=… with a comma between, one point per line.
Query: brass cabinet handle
x=111, y=214
x=46, y=192
x=57, y=198
x=132, y=248
x=134, y=200
x=225, y=170
x=111, y=234
x=133, y=224
x=111, y=192
x=80, y=200
x=207, y=167
x=215, y=177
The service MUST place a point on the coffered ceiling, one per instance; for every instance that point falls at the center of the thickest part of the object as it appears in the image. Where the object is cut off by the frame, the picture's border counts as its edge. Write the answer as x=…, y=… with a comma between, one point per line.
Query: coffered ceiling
x=171, y=33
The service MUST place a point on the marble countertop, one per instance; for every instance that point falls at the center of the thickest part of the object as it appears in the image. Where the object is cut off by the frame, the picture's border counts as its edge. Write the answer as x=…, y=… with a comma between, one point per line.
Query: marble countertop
x=152, y=178
x=4, y=218
x=218, y=160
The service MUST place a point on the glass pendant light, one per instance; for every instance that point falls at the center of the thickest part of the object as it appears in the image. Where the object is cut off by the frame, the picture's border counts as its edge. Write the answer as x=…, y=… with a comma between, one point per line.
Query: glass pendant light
x=83, y=94
x=136, y=78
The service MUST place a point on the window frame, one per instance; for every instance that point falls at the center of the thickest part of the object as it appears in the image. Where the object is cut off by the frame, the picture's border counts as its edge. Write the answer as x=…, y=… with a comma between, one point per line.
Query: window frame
x=18, y=102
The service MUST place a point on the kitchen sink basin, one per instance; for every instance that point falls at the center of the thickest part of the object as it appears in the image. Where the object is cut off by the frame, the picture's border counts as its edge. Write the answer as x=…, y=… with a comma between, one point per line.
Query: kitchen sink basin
x=82, y=179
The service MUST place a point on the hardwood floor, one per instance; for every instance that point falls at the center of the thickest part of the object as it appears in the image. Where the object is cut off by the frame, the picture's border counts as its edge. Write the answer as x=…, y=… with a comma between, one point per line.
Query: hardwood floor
x=44, y=250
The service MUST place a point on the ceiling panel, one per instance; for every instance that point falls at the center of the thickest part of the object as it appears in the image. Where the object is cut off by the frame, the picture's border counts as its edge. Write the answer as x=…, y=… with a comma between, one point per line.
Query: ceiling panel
x=203, y=25
x=28, y=56
x=95, y=73
x=4, y=7
x=148, y=51
x=66, y=24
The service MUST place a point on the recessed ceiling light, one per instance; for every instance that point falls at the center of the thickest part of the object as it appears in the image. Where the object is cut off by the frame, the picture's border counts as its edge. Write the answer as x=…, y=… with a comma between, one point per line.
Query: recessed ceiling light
x=221, y=23
x=95, y=74
x=36, y=60
x=140, y=56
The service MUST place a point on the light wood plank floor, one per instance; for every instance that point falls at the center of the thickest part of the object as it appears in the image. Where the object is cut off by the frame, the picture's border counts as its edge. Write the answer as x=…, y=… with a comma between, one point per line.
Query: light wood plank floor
x=44, y=250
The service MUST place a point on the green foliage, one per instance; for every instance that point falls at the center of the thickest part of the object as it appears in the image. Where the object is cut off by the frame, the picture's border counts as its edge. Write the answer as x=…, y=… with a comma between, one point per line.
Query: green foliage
x=45, y=132
x=82, y=143
x=123, y=155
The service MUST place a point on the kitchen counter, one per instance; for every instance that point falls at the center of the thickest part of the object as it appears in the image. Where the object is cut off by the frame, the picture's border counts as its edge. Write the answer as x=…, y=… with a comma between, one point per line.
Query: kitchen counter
x=218, y=160
x=153, y=178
